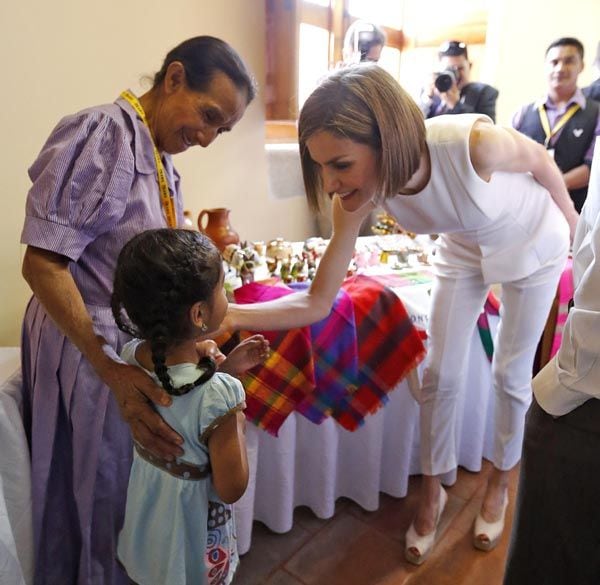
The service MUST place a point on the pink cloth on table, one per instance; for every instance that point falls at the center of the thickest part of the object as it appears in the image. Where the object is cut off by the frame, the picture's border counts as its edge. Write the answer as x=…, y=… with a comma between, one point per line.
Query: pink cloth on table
x=565, y=294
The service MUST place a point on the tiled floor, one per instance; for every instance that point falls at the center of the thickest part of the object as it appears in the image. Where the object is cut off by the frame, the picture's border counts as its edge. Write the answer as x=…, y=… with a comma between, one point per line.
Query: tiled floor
x=367, y=548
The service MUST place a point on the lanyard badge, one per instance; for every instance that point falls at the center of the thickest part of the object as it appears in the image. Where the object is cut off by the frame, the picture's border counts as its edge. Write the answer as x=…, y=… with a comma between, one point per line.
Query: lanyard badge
x=163, y=186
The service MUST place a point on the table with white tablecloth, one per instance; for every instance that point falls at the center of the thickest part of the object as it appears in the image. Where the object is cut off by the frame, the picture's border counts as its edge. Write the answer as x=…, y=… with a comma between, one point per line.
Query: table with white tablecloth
x=16, y=533
x=313, y=465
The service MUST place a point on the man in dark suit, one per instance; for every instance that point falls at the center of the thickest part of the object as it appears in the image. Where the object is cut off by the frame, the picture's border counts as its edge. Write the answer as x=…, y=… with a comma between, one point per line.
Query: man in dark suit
x=459, y=95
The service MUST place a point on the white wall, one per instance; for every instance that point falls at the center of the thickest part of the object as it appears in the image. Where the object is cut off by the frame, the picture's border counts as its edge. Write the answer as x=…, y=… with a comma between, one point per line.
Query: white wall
x=64, y=55
x=519, y=32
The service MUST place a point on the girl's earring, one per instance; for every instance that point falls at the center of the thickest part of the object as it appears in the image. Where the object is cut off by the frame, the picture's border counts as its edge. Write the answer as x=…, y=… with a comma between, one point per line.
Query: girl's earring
x=203, y=327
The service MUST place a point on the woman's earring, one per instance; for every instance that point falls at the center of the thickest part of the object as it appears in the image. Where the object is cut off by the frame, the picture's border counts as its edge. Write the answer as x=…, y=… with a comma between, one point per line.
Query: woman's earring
x=204, y=327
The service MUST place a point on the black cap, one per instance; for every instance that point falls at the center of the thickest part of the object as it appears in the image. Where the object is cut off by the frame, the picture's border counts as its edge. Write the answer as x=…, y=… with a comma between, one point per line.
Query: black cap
x=453, y=49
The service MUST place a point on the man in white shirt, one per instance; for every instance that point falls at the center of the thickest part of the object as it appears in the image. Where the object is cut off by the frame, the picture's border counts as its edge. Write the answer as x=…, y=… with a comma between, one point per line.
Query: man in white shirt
x=556, y=527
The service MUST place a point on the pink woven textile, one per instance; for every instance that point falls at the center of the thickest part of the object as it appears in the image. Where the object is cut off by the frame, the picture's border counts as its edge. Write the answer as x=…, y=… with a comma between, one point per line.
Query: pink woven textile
x=565, y=294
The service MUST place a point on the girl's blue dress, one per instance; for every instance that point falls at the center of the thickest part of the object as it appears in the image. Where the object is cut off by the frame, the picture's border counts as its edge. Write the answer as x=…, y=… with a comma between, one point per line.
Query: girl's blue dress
x=177, y=531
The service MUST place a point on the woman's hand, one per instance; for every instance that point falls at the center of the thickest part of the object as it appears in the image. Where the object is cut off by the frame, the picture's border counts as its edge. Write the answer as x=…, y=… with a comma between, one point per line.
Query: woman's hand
x=134, y=392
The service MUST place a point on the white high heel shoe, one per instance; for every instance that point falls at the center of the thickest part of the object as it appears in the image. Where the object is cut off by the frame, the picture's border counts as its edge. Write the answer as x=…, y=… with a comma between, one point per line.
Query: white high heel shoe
x=486, y=535
x=423, y=544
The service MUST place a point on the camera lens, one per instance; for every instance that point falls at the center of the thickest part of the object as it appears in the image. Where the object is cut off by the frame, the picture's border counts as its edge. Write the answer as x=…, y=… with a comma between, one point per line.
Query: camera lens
x=444, y=81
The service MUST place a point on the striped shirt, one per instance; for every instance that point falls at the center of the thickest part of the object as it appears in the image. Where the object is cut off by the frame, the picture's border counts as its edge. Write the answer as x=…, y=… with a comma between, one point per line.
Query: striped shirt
x=94, y=188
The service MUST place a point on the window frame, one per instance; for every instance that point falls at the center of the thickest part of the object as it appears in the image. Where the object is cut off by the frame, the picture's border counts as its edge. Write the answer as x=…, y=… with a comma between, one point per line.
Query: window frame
x=283, y=25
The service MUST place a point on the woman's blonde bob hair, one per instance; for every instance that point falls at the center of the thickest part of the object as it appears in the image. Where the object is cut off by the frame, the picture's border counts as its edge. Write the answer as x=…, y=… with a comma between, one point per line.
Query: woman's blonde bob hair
x=365, y=104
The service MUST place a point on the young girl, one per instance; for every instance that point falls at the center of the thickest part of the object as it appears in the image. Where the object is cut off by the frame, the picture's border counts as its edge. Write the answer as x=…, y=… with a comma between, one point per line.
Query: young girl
x=179, y=526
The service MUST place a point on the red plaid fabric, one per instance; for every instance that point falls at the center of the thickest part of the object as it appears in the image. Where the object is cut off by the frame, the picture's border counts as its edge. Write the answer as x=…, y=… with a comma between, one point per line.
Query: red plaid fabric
x=389, y=346
x=275, y=388
x=335, y=357
x=343, y=366
x=565, y=296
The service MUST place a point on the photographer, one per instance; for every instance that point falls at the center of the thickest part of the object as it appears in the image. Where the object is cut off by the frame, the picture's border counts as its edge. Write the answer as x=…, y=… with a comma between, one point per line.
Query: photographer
x=363, y=42
x=451, y=92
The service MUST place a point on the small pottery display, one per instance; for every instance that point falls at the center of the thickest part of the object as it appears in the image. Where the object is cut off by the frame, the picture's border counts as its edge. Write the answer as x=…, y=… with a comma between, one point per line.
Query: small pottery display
x=217, y=227
x=386, y=225
x=279, y=249
x=244, y=259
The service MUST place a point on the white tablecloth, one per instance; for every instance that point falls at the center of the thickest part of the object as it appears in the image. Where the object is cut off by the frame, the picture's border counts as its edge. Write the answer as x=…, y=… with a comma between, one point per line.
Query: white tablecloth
x=313, y=465
x=16, y=535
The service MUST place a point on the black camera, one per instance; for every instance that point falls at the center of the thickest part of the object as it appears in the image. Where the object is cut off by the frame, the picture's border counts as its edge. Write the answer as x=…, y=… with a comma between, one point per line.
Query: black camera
x=444, y=80
x=365, y=40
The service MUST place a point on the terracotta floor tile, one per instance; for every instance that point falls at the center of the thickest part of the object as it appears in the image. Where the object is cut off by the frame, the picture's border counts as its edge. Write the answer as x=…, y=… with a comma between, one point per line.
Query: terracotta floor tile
x=456, y=562
x=463, y=521
x=283, y=578
x=349, y=552
x=401, y=576
x=357, y=547
x=393, y=517
x=467, y=482
x=395, y=514
x=268, y=553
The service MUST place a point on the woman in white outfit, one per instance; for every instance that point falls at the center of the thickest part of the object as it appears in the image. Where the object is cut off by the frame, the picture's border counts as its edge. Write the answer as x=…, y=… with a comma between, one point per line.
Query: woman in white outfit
x=504, y=215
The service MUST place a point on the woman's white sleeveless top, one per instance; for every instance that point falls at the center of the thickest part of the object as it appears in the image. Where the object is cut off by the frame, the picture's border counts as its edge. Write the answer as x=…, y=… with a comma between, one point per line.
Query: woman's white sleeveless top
x=505, y=229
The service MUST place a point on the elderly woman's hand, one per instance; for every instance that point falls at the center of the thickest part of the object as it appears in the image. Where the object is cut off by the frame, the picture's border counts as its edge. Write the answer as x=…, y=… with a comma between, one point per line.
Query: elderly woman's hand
x=134, y=391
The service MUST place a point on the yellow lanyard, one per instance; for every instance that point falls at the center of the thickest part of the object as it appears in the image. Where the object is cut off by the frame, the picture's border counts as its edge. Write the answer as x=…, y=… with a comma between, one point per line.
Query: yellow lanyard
x=163, y=185
x=546, y=123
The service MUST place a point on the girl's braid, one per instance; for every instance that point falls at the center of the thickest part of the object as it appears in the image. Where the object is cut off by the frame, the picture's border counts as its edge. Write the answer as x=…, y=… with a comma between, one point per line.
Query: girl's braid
x=117, y=306
x=160, y=274
x=158, y=344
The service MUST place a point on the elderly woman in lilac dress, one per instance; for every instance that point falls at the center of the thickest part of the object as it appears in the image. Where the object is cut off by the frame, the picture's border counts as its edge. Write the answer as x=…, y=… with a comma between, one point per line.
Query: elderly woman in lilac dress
x=104, y=175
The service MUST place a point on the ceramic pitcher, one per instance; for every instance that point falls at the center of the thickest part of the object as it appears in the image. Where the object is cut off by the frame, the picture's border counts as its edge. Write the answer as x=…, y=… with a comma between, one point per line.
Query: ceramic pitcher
x=217, y=227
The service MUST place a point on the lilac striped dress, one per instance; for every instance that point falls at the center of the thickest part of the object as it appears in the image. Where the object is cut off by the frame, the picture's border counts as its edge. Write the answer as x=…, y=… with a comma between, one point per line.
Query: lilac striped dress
x=94, y=187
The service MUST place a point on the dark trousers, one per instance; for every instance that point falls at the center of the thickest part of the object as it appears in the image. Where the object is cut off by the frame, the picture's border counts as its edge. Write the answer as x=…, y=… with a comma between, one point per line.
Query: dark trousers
x=556, y=529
